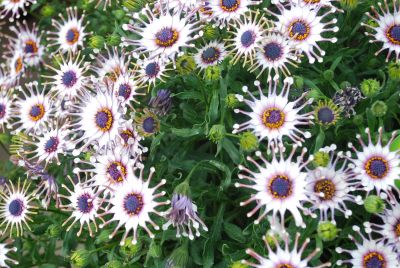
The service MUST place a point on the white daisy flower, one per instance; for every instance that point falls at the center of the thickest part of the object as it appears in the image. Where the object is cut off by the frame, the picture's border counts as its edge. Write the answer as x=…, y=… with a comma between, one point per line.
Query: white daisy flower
x=285, y=257
x=224, y=11
x=33, y=110
x=84, y=203
x=14, y=7
x=69, y=81
x=16, y=67
x=246, y=36
x=376, y=166
x=274, y=53
x=125, y=89
x=111, y=64
x=164, y=33
x=279, y=185
x=151, y=70
x=304, y=26
x=4, y=250
x=209, y=55
x=273, y=116
x=98, y=116
x=129, y=140
x=70, y=32
x=369, y=253
x=16, y=208
x=132, y=204
x=6, y=100
x=329, y=187
x=388, y=29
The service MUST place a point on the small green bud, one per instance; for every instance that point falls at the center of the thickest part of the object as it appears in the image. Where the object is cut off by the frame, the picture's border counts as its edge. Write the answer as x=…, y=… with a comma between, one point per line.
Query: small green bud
x=212, y=73
x=54, y=230
x=113, y=39
x=113, y=264
x=358, y=119
x=129, y=249
x=155, y=250
x=248, y=141
x=328, y=75
x=80, y=257
x=394, y=71
x=210, y=32
x=182, y=188
x=87, y=156
x=238, y=264
x=321, y=159
x=179, y=257
x=379, y=108
x=216, y=133
x=345, y=84
x=374, y=204
x=298, y=82
x=134, y=5
x=47, y=11
x=185, y=64
x=103, y=236
x=369, y=87
x=96, y=41
x=231, y=101
x=327, y=231
x=119, y=14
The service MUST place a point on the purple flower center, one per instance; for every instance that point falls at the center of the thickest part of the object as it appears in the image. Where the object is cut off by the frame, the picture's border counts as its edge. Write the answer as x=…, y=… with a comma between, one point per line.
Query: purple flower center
x=117, y=171
x=133, y=203
x=149, y=124
x=104, y=119
x=166, y=37
x=124, y=91
x=377, y=167
x=374, y=260
x=36, y=112
x=152, y=69
x=69, y=78
x=273, y=51
x=248, y=38
x=84, y=205
x=126, y=135
x=230, y=5
x=16, y=207
x=72, y=36
x=326, y=115
x=395, y=32
x=280, y=187
x=30, y=47
x=2, y=110
x=210, y=55
x=51, y=145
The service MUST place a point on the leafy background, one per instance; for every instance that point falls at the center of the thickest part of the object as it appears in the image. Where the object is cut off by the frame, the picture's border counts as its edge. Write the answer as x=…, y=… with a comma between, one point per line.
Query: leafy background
x=182, y=148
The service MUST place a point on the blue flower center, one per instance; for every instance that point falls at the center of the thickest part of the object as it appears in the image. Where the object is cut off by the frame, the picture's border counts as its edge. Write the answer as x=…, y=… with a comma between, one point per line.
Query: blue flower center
x=377, y=167
x=374, y=260
x=72, y=36
x=84, y=205
x=166, y=37
x=149, y=124
x=273, y=118
x=2, y=110
x=152, y=69
x=300, y=29
x=36, y=112
x=210, y=55
x=69, y=78
x=30, y=47
x=326, y=115
x=394, y=33
x=16, y=207
x=104, y=119
x=273, y=51
x=126, y=135
x=133, y=204
x=117, y=171
x=51, y=145
x=248, y=38
x=280, y=187
x=124, y=91
x=230, y=5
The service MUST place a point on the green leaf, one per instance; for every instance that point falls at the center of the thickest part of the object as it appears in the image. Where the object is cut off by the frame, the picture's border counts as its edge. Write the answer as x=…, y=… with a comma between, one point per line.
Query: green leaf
x=224, y=168
x=232, y=150
x=319, y=141
x=213, y=111
x=234, y=232
x=186, y=132
x=395, y=144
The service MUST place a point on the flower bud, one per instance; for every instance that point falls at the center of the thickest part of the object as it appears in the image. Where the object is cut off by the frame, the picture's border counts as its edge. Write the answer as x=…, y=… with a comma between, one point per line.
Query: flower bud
x=248, y=141
x=345, y=84
x=47, y=11
x=103, y=236
x=328, y=75
x=54, y=230
x=113, y=39
x=210, y=32
x=394, y=71
x=212, y=73
x=216, y=133
x=96, y=41
x=129, y=249
x=119, y=14
x=238, y=264
x=80, y=257
x=321, y=159
x=327, y=231
x=185, y=64
x=113, y=264
x=369, y=87
x=358, y=119
x=374, y=204
x=231, y=101
x=379, y=108
x=134, y=5
x=155, y=250
x=298, y=82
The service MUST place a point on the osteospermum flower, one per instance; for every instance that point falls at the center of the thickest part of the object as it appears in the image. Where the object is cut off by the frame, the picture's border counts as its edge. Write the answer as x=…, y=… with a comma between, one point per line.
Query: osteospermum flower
x=326, y=113
x=28, y=40
x=375, y=165
x=70, y=32
x=284, y=257
x=4, y=250
x=16, y=208
x=150, y=70
x=98, y=116
x=273, y=55
x=274, y=116
x=16, y=67
x=369, y=253
x=329, y=187
x=224, y=11
x=14, y=7
x=133, y=203
x=279, y=185
x=69, y=81
x=347, y=99
x=387, y=30
x=165, y=33
x=246, y=36
x=129, y=139
x=209, y=55
x=147, y=123
x=84, y=203
x=111, y=64
x=125, y=90
x=304, y=26
x=32, y=110
x=6, y=100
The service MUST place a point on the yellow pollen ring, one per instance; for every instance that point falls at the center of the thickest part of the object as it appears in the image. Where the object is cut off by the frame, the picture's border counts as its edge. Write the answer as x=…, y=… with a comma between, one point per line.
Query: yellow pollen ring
x=39, y=115
x=229, y=9
x=390, y=36
x=298, y=36
x=75, y=38
x=19, y=64
x=370, y=172
x=327, y=187
x=121, y=168
x=108, y=123
x=170, y=42
x=374, y=254
x=267, y=116
x=397, y=229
